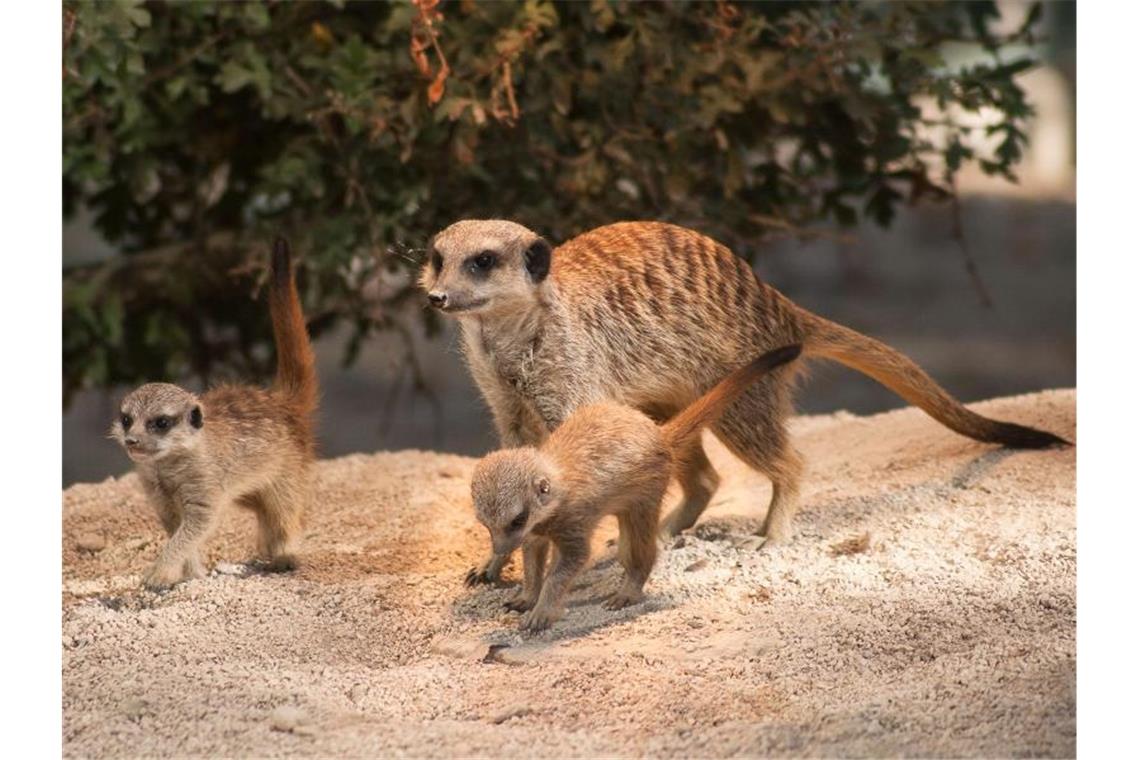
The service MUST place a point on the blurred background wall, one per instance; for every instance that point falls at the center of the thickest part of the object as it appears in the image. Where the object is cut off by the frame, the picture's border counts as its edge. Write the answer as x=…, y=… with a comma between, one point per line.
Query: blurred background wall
x=907, y=285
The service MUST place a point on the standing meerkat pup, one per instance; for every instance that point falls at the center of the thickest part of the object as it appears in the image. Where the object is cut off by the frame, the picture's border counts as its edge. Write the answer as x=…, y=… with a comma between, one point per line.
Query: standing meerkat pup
x=605, y=459
x=651, y=315
x=234, y=443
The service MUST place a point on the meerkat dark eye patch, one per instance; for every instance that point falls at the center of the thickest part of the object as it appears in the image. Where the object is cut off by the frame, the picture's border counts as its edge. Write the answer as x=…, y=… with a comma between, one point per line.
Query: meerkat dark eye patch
x=196, y=417
x=161, y=423
x=436, y=261
x=481, y=264
x=126, y=421
x=537, y=260
x=519, y=521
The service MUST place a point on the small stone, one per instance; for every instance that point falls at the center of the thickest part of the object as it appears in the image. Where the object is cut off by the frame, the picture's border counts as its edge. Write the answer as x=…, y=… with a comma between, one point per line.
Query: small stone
x=516, y=711
x=461, y=648
x=287, y=718
x=854, y=545
x=228, y=568
x=749, y=543
x=134, y=708
x=91, y=542
x=137, y=543
x=698, y=565
x=695, y=623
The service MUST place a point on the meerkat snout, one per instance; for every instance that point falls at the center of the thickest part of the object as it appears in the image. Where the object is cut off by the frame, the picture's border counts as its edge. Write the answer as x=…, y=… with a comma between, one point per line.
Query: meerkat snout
x=437, y=299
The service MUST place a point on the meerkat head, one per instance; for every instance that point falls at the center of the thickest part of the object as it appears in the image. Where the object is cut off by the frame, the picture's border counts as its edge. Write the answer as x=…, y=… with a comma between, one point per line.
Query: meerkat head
x=156, y=419
x=484, y=267
x=512, y=490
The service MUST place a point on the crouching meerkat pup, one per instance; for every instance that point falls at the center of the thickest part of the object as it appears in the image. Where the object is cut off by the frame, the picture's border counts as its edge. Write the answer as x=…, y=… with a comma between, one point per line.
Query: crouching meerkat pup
x=651, y=315
x=239, y=443
x=605, y=459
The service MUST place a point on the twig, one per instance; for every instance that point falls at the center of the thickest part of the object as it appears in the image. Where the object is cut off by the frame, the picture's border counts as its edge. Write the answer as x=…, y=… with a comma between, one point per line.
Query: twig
x=182, y=62
x=800, y=232
x=958, y=232
x=69, y=18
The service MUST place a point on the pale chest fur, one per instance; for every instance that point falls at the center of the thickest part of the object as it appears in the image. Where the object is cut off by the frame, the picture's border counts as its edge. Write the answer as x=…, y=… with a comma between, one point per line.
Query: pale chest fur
x=539, y=362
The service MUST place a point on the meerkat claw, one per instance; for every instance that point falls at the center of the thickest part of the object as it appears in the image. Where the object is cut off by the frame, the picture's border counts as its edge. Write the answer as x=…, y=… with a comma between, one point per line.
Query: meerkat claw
x=475, y=577
x=162, y=578
x=536, y=620
x=518, y=604
x=621, y=600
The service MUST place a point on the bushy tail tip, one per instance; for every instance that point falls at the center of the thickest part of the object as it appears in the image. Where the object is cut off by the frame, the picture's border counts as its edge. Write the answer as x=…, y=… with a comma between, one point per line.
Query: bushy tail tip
x=1022, y=437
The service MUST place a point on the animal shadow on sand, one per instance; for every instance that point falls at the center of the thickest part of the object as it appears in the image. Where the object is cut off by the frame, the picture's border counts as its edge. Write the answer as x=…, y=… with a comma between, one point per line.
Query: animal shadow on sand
x=826, y=518
x=584, y=613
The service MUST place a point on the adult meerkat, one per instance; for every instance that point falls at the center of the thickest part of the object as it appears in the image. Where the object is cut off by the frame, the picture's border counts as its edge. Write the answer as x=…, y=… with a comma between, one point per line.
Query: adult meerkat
x=237, y=443
x=605, y=459
x=651, y=315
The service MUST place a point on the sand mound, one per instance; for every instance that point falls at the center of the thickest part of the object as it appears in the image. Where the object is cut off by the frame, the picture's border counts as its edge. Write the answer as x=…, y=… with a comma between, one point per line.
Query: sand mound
x=926, y=607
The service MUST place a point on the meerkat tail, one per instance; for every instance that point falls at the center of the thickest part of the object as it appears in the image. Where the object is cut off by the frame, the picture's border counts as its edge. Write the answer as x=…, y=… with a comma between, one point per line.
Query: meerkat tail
x=894, y=370
x=689, y=422
x=296, y=365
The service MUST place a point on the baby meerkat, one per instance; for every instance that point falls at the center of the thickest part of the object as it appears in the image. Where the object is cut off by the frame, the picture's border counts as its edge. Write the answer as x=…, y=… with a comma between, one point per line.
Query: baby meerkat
x=605, y=459
x=237, y=443
x=652, y=315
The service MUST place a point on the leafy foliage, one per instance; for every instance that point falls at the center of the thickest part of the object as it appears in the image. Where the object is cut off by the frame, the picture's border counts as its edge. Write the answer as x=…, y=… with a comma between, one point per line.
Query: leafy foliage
x=196, y=131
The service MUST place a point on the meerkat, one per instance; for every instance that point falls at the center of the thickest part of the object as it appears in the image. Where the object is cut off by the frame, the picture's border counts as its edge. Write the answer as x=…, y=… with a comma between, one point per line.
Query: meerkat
x=605, y=459
x=650, y=315
x=249, y=445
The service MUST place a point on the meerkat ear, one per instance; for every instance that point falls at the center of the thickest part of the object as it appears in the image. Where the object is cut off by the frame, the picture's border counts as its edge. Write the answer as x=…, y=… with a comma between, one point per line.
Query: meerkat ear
x=542, y=488
x=196, y=417
x=537, y=260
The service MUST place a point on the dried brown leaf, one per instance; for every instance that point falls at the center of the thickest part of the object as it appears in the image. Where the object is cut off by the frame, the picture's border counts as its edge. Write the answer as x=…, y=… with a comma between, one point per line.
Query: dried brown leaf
x=854, y=545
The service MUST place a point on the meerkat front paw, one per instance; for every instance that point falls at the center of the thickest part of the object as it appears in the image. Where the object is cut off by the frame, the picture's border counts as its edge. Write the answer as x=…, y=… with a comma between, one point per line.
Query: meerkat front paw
x=623, y=599
x=538, y=619
x=520, y=603
x=283, y=563
x=192, y=568
x=162, y=576
x=477, y=576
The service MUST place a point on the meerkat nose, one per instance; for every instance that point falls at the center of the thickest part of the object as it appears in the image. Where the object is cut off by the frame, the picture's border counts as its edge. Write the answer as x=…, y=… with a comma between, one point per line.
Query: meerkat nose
x=437, y=299
x=131, y=441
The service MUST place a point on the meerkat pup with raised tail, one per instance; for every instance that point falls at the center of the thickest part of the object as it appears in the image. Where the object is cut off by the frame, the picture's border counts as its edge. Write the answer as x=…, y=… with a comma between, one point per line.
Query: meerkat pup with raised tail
x=605, y=459
x=651, y=315
x=237, y=443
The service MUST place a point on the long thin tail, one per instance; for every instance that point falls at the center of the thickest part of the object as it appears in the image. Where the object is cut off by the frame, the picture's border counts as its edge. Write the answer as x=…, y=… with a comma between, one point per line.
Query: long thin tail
x=894, y=370
x=689, y=422
x=296, y=366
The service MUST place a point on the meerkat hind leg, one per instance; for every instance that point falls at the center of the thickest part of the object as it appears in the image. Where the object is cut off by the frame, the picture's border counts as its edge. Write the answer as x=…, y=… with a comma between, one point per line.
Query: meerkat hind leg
x=637, y=550
x=279, y=517
x=699, y=482
x=754, y=430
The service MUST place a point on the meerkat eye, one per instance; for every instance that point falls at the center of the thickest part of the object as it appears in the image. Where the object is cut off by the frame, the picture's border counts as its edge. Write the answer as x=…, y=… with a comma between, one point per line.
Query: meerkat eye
x=483, y=261
x=436, y=261
x=126, y=420
x=519, y=521
x=161, y=423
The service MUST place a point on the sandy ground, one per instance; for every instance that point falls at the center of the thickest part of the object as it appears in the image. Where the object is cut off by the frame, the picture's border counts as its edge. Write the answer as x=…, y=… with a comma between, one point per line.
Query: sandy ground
x=926, y=607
